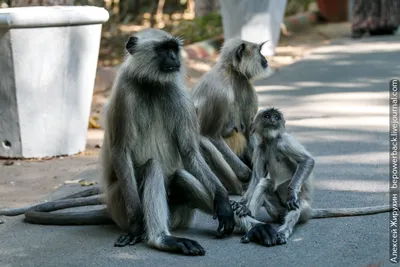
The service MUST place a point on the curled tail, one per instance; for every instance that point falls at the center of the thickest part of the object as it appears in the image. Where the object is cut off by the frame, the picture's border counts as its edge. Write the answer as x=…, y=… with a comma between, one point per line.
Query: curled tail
x=18, y=211
x=344, y=212
x=42, y=214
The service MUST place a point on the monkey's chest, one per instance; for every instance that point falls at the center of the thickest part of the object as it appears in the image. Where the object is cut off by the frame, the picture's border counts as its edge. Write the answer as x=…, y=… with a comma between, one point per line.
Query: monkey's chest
x=156, y=143
x=279, y=172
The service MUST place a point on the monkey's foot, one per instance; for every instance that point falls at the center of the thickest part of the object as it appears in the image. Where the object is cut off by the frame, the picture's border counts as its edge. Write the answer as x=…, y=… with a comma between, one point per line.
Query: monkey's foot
x=183, y=245
x=263, y=234
x=128, y=240
x=282, y=237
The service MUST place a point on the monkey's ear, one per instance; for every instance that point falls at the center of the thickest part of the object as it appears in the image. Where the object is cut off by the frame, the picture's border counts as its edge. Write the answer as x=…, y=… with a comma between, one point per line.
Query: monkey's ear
x=130, y=45
x=240, y=51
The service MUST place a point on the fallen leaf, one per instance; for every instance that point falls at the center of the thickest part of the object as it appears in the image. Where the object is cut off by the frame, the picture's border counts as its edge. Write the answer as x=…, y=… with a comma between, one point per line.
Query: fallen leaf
x=93, y=123
x=72, y=181
x=87, y=183
x=97, y=146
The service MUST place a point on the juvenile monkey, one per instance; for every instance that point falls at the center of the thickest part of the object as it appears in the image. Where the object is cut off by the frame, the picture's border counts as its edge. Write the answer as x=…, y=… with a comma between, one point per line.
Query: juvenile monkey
x=282, y=183
x=154, y=175
x=226, y=103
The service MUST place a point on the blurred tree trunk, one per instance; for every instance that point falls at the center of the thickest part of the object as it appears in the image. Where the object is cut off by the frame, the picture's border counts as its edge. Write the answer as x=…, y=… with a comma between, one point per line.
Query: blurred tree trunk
x=129, y=6
x=205, y=7
x=20, y=3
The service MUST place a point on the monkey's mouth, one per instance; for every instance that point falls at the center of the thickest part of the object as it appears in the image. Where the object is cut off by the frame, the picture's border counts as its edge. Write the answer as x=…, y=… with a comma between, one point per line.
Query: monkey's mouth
x=271, y=126
x=171, y=69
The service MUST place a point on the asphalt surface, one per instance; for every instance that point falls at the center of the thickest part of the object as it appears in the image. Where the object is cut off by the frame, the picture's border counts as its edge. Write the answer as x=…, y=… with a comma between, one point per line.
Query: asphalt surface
x=336, y=104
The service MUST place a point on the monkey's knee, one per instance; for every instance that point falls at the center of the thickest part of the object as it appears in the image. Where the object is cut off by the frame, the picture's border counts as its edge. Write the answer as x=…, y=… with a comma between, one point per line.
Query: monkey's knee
x=181, y=216
x=305, y=213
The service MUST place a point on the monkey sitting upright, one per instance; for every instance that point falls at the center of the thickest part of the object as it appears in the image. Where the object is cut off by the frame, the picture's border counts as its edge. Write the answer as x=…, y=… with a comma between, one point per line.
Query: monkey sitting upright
x=154, y=175
x=226, y=103
x=282, y=183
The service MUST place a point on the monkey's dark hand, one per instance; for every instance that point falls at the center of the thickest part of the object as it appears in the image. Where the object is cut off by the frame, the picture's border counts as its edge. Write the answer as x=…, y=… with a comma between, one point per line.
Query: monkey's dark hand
x=263, y=234
x=240, y=208
x=293, y=200
x=224, y=213
x=128, y=240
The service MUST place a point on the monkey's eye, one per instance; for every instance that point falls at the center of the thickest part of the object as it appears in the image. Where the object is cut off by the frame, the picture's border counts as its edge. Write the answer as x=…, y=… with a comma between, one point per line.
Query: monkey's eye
x=266, y=116
x=276, y=117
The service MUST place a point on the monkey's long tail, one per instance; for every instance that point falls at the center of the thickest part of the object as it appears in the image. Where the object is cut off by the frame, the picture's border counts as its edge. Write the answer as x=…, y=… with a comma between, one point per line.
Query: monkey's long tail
x=18, y=211
x=344, y=212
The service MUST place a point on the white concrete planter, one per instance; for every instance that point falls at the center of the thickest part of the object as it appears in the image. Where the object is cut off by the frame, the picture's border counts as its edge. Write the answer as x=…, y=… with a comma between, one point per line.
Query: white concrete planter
x=48, y=61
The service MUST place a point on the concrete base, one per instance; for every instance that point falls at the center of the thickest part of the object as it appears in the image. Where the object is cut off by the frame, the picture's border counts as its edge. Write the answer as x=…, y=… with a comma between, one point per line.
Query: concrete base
x=47, y=73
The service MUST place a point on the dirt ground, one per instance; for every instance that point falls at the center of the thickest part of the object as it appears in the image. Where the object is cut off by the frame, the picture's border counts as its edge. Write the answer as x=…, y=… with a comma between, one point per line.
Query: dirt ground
x=24, y=182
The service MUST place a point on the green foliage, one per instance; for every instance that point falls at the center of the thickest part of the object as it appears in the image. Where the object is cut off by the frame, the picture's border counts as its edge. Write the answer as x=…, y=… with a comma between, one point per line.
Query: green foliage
x=296, y=6
x=198, y=29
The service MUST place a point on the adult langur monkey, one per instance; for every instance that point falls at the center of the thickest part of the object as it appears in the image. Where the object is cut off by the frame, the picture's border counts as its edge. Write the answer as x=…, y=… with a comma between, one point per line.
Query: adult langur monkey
x=282, y=183
x=227, y=102
x=154, y=175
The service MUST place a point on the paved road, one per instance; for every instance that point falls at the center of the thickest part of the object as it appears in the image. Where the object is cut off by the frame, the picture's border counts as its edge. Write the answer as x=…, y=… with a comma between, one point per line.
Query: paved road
x=335, y=101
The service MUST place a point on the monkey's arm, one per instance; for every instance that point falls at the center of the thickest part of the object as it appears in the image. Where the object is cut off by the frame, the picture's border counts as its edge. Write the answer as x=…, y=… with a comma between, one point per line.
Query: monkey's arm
x=242, y=171
x=188, y=145
x=122, y=162
x=259, y=171
x=305, y=165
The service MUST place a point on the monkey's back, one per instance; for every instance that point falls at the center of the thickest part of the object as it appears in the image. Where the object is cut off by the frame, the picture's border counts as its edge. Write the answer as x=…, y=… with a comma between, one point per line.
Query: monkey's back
x=212, y=97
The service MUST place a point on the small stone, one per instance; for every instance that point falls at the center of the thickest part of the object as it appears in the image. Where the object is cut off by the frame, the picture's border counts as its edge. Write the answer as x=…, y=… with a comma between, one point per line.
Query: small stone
x=8, y=163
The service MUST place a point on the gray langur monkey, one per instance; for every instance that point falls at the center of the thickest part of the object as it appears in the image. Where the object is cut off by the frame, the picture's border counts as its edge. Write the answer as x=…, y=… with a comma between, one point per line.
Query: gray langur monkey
x=226, y=103
x=282, y=183
x=154, y=175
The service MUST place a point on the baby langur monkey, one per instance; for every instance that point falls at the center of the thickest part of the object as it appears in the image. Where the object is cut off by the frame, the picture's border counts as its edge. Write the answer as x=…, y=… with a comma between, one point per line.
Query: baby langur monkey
x=226, y=103
x=282, y=183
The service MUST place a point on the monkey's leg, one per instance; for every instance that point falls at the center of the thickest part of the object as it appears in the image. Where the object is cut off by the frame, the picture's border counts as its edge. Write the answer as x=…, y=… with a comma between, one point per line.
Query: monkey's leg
x=241, y=170
x=156, y=211
x=291, y=219
x=117, y=211
x=219, y=165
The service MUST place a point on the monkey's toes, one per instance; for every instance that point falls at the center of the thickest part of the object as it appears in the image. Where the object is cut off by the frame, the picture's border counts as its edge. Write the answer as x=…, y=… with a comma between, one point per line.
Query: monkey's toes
x=245, y=239
x=184, y=245
x=281, y=239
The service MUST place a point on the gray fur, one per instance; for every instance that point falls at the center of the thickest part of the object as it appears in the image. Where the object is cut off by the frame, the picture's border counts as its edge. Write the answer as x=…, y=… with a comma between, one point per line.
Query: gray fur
x=282, y=168
x=225, y=100
x=151, y=133
x=154, y=175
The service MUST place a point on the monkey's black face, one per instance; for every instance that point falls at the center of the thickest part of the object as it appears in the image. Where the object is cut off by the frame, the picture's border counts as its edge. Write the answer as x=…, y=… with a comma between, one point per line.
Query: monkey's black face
x=168, y=54
x=272, y=119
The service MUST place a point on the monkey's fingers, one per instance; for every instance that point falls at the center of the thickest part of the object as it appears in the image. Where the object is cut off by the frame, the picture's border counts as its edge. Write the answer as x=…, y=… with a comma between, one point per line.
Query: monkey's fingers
x=135, y=240
x=229, y=226
x=292, y=205
x=127, y=239
x=220, y=233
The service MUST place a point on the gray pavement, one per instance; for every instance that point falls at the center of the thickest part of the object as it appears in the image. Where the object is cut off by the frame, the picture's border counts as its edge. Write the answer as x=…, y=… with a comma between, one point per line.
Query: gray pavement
x=336, y=103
